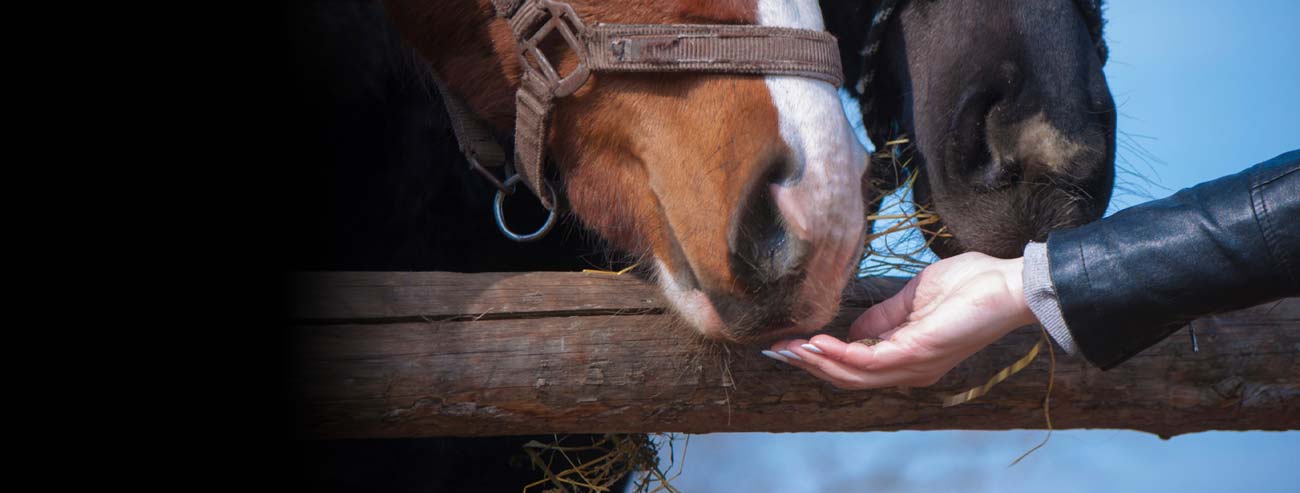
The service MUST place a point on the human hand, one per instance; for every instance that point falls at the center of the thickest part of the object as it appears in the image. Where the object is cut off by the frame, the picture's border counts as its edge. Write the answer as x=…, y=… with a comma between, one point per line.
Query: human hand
x=950, y=310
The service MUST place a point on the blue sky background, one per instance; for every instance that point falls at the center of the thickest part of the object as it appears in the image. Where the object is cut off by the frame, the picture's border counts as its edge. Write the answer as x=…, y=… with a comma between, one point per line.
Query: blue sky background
x=1204, y=89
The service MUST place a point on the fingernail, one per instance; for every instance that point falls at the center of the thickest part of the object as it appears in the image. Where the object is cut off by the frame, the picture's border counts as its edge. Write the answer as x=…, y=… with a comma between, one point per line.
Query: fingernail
x=812, y=348
x=775, y=356
x=790, y=354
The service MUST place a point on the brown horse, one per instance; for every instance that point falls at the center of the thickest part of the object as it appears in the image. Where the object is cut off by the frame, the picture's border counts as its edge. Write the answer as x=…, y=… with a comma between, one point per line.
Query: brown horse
x=741, y=193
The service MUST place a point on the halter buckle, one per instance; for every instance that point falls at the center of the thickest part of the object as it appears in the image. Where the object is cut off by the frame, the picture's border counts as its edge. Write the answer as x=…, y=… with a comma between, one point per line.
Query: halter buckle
x=560, y=17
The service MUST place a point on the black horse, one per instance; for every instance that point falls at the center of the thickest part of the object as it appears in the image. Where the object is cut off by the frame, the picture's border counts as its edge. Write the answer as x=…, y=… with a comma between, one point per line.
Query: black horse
x=1011, y=122
x=1010, y=116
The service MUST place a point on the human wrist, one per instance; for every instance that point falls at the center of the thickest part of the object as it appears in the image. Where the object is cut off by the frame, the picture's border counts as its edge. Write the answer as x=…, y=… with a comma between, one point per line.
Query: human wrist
x=1013, y=275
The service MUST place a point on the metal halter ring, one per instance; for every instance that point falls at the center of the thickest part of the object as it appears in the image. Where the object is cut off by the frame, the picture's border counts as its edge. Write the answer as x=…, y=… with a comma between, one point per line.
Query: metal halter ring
x=498, y=207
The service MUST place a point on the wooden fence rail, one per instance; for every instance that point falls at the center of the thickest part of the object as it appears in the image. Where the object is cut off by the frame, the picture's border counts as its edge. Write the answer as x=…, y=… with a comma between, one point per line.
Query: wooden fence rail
x=445, y=354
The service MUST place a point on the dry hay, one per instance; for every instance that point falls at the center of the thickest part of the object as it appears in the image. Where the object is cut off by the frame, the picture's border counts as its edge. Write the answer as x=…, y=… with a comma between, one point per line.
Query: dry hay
x=893, y=178
x=601, y=464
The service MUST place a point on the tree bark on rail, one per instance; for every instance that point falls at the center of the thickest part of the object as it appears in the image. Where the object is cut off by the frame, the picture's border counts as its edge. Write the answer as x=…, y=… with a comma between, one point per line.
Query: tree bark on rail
x=446, y=354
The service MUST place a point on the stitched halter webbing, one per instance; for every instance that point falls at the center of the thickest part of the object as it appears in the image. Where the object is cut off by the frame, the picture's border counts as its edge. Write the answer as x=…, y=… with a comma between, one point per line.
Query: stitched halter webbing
x=695, y=48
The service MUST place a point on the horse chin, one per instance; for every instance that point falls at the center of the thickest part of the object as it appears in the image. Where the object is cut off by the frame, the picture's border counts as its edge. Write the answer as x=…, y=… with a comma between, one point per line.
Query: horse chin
x=692, y=304
x=1001, y=223
x=748, y=318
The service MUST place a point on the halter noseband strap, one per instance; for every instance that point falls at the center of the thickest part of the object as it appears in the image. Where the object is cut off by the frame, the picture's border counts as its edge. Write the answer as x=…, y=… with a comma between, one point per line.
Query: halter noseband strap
x=729, y=49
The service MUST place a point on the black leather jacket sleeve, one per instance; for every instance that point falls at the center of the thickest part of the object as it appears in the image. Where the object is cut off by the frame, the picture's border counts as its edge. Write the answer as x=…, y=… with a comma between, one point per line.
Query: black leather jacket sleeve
x=1127, y=281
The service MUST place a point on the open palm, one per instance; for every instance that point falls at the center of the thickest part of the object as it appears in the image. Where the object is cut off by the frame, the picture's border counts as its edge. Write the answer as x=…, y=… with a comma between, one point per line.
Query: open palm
x=949, y=311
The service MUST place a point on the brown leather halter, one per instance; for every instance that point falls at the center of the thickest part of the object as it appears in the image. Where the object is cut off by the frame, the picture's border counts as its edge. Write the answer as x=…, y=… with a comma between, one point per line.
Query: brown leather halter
x=700, y=48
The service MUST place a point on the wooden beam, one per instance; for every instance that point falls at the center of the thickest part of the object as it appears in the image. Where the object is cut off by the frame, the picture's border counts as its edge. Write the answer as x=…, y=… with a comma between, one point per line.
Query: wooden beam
x=447, y=354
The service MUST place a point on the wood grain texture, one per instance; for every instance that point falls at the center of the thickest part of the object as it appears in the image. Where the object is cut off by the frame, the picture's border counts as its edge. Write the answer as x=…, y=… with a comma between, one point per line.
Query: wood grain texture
x=445, y=354
x=394, y=295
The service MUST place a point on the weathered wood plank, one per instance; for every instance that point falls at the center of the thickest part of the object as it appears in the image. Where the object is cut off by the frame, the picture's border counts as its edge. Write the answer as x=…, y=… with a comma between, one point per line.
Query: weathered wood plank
x=569, y=362
x=390, y=295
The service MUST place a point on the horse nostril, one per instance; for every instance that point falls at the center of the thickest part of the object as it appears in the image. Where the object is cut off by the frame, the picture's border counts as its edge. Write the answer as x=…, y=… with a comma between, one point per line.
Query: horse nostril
x=764, y=250
x=982, y=139
x=1000, y=171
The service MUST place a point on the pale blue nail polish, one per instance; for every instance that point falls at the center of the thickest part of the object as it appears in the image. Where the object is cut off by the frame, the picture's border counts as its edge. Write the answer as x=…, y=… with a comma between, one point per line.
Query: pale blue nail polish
x=790, y=354
x=773, y=355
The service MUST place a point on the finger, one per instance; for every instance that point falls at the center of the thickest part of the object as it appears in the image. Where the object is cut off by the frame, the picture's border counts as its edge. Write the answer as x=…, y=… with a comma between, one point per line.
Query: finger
x=813, y=361
x=806, y=356
x=793, y=352
x=789, y=352
x=886, y=315
x=780, y=351
x=848, y=377
x=816, y=372
x=885, y=355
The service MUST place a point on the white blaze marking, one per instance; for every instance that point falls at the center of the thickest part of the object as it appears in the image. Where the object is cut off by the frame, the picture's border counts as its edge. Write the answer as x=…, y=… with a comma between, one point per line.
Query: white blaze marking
x=824, y=206
x=812, y=120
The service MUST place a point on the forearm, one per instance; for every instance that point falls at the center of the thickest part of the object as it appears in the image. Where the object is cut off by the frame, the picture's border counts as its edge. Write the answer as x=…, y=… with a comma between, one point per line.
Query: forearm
x=1127, y=281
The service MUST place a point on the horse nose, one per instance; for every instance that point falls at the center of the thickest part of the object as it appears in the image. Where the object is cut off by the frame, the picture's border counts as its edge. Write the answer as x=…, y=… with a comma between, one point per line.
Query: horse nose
x=766, y=252
x=982, y=130
x=1007, y=132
